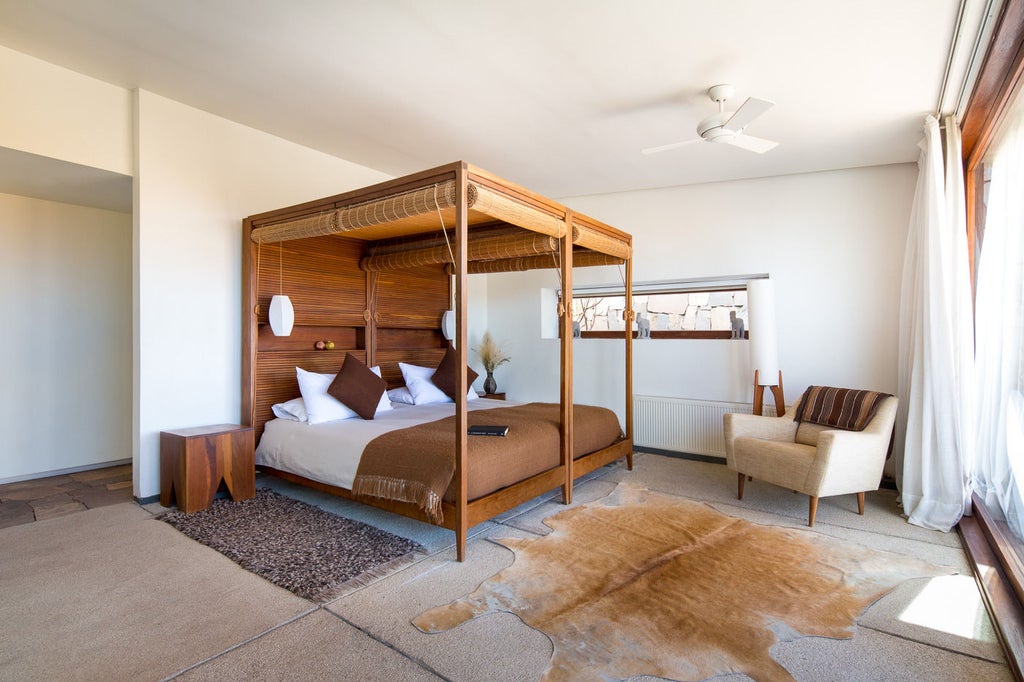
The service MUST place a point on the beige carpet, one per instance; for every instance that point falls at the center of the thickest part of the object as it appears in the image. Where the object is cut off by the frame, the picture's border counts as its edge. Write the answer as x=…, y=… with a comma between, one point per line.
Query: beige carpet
x=319, y=646
x=645, y=583
x=113, y=594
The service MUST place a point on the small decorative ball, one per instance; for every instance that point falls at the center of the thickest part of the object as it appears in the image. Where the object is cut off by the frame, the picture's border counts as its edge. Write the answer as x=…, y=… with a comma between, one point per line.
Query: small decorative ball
x=330, y=345
x=319, y=345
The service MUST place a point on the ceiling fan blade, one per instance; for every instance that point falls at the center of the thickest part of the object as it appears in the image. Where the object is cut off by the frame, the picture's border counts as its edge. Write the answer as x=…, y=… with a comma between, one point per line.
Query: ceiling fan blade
x=667, y=147
x=751, y=143
x=750, y=110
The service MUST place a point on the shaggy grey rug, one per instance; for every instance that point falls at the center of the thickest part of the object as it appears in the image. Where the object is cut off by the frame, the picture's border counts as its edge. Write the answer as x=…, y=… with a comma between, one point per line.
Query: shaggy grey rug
x=297, y=546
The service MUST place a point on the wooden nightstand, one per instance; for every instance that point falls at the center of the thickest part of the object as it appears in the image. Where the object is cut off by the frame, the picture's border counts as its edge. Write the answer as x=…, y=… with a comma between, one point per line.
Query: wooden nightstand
x=493, y=396
x=194, y=461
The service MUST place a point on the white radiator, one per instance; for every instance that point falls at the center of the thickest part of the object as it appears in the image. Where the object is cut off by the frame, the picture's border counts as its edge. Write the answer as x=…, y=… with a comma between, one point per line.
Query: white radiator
x=682, y=425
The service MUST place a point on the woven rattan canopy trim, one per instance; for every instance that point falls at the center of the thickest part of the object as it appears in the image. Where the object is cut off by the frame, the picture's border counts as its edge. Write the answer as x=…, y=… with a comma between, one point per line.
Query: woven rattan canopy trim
x=412, y=211
x=582, y=259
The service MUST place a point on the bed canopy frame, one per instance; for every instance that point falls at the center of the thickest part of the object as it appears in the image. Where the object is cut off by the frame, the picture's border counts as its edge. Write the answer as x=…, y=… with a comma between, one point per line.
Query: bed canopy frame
x=372, y=270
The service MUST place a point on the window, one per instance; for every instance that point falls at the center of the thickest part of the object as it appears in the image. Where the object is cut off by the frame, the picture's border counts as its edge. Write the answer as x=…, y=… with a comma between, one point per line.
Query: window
x=680, y=309
x=994, y=549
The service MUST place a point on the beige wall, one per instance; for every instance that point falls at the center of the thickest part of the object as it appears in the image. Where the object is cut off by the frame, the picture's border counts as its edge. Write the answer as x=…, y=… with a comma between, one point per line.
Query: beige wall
x=832, y=242
x=197, y=177
x=65, y=280
x=60, y=114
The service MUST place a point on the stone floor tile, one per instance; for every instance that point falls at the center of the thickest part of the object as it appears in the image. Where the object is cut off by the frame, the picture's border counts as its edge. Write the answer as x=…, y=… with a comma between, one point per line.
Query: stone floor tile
x=35, y=483
x=38, y=492
x=49, y=512
x=108, y=472
x=15, y=513
x=101, y=497
x=119, y=485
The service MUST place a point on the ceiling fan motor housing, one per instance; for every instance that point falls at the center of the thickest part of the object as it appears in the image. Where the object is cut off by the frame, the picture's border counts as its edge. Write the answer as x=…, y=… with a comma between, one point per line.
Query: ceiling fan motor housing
x=711, y=128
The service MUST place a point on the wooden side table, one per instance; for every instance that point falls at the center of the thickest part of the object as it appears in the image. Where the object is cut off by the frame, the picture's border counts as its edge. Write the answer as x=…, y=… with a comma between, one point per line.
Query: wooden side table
x=493, y=396
x=194, y=461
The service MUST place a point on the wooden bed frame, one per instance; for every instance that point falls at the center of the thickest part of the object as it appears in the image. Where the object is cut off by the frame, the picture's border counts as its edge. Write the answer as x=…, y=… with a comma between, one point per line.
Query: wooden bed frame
x=370, y=270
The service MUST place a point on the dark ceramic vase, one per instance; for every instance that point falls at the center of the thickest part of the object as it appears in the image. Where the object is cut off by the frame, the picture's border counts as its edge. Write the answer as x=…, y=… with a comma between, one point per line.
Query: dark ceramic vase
x=490, y=385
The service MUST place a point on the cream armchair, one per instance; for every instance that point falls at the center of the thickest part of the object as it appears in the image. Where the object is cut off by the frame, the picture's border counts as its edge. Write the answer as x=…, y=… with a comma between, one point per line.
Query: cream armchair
x=809, y=458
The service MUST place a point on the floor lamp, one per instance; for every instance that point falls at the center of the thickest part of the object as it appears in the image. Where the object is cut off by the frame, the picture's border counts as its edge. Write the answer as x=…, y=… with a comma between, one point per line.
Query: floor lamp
x=764, y=350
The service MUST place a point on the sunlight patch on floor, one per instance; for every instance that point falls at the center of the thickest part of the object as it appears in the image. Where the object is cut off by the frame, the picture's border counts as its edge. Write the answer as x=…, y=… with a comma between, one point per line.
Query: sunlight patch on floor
x=950, y=604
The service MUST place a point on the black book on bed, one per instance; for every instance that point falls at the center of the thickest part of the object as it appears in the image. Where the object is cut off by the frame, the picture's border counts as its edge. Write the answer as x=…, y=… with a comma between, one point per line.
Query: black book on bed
x=488, y=430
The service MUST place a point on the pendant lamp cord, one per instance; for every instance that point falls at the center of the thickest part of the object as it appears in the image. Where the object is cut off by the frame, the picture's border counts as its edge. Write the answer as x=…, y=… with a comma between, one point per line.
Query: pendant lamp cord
x=451, y=254
x=259, y=248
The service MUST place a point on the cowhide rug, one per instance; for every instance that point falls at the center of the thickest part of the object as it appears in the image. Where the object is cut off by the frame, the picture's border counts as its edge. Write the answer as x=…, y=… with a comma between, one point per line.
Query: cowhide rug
x=645, y=583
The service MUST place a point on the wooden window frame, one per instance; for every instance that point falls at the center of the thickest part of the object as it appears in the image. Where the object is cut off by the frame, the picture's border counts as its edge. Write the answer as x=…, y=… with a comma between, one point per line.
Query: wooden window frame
x=999, y=80
x=997, y=567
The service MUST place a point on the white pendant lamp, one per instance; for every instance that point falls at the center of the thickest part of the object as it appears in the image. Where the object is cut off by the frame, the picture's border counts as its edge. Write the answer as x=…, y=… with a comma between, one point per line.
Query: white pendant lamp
x=448, y=324
x=281, y=314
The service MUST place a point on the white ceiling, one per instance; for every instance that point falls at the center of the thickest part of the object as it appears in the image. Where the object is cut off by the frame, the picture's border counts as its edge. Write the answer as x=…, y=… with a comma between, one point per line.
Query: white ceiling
x=557, y=95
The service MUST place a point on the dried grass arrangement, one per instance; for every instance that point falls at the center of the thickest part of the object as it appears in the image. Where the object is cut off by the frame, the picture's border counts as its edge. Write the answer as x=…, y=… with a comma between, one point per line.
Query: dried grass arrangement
x=490, y=353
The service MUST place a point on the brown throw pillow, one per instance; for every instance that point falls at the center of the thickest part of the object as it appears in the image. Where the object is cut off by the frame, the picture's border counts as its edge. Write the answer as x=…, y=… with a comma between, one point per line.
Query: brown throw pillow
x=444, y=376
x=840, y=408
x=357, y=387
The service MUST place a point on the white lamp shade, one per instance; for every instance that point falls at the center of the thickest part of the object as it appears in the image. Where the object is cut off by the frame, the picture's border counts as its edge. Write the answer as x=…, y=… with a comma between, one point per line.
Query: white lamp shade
x=448, y=324
x=282, y=315
x=764, y=349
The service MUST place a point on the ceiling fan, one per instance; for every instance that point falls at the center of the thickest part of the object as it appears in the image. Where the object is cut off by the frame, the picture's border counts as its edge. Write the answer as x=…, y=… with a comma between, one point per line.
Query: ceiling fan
x=727, y=126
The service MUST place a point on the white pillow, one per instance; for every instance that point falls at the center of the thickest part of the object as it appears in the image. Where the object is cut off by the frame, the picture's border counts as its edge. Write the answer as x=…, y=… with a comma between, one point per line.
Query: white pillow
x=401, y=395
x=293, y=410
x=412, y=372
x=385, y=401
x=424, y=392
x=320, y=405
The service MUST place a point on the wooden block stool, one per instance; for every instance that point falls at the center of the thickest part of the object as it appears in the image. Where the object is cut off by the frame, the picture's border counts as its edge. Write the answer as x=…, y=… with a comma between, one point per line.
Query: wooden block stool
x=194, y=461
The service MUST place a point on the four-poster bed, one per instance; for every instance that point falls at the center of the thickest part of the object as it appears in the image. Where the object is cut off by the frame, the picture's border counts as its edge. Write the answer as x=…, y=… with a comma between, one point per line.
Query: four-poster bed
x=373, y=269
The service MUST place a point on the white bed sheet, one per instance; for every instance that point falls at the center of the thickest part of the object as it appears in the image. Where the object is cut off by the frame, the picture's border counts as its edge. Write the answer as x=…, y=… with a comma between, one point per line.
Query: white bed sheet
x=330, y=452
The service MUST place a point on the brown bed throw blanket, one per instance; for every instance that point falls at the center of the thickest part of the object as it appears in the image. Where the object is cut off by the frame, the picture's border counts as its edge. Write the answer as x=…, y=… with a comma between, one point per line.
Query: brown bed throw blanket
x=839, y=408
x=417, y=464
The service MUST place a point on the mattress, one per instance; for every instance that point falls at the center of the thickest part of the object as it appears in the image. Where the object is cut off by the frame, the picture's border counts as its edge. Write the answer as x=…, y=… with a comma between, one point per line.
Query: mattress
x=330, y=452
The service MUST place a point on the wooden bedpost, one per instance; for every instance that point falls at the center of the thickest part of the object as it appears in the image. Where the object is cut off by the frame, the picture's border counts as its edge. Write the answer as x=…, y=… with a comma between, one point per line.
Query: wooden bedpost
x=461, y=339
x=629, y=358
x=250, y=320
x=565, y=248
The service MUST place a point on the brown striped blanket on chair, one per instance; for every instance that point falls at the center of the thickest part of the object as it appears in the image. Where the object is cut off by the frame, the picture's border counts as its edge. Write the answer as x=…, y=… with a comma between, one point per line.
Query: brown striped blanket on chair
x=840, y=408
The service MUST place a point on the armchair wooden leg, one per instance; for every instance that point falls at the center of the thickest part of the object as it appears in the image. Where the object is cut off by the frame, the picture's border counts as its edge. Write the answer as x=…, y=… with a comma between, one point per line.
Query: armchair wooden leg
x=860, y=503
x=812, y=510
x=740, y=478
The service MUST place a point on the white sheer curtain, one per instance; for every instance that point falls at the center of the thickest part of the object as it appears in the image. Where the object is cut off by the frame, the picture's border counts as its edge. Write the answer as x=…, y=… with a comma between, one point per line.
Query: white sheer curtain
x=999, y=318
x=936, y=380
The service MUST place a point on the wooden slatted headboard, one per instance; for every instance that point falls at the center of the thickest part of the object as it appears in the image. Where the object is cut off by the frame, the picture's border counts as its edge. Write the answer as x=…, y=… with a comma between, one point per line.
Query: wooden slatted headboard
x=381, y=318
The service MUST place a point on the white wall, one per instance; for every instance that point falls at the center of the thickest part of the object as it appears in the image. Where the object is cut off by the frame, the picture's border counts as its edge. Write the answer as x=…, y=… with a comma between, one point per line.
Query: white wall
x=197, y=177
x=54, y=112
x=65, y=347
x=832, y=242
